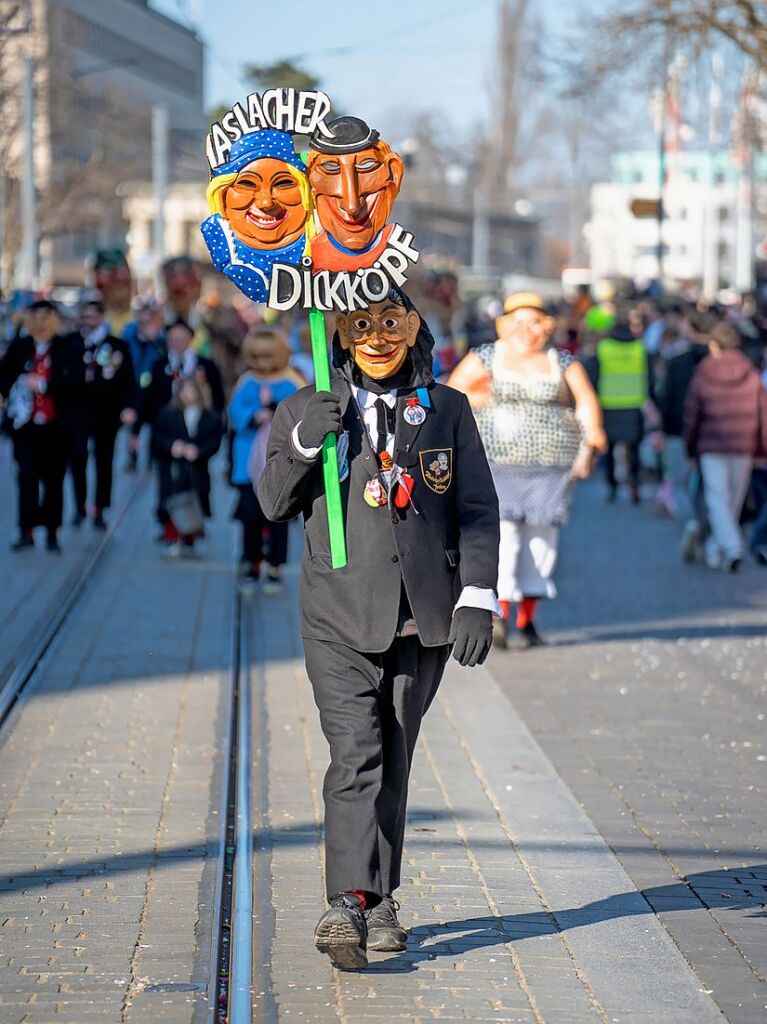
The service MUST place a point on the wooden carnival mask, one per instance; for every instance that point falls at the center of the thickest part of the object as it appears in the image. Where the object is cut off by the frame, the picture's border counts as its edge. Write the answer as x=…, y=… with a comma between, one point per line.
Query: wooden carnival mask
x=355, y=178
x=260, y=210
x=379, y=337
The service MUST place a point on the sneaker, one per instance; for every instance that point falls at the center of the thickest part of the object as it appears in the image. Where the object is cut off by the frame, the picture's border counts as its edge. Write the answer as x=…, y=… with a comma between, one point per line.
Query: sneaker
x=23, y=542
x=385, y=933
x=500, y=634
x=172, y=549
x=690, y=543
x=342, y=932
x=272, y=583
x=527, y=637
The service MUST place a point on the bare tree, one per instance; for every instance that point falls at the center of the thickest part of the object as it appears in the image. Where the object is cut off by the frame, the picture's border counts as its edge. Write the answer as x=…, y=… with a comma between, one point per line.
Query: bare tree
x=646, y=30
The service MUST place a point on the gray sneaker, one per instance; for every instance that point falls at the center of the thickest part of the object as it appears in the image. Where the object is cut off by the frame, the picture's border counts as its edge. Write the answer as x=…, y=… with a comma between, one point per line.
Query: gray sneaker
x=341, y=932
x=385, y=933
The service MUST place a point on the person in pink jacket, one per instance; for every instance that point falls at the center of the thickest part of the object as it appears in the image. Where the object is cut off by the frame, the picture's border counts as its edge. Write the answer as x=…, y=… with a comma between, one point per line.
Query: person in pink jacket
x=725, y=427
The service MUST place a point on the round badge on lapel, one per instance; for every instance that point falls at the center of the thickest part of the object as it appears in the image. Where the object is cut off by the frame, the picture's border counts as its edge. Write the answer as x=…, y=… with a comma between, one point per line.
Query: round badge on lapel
x=414, y=415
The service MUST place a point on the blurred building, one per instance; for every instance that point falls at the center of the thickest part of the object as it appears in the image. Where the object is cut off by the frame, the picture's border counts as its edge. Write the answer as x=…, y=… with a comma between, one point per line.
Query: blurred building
x=99, y=68
x=713, y=219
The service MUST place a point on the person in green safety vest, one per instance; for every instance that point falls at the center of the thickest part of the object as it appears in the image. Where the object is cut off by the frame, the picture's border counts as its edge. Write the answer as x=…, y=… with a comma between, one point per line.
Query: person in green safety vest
x=620, y=374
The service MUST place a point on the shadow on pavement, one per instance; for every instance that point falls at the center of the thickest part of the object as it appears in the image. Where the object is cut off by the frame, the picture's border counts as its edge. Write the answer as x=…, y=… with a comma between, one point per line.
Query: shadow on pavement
x=741, y=888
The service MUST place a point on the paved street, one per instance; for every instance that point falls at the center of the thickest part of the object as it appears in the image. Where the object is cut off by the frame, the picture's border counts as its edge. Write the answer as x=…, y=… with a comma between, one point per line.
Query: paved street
x=586, y=832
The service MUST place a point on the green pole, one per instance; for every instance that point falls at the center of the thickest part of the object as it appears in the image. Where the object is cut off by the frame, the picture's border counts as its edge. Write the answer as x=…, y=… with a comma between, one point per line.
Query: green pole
x=329, y=456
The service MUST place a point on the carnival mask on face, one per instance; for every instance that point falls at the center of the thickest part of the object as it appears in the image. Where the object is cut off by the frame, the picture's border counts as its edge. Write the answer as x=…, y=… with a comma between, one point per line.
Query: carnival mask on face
x=355, y=178
x=380, y=337
x=264, y=204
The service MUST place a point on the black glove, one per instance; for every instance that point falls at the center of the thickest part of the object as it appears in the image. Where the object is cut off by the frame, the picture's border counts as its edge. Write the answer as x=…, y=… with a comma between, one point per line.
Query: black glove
x=471, y=635
x=322, y=415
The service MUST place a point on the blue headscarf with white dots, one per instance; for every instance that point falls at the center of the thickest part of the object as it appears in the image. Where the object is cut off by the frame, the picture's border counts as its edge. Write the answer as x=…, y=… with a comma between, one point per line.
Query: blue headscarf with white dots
x=255, y=146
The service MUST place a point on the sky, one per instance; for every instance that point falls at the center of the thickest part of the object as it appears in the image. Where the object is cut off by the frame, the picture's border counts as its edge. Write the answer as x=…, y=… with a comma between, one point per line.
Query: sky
x=374, y=60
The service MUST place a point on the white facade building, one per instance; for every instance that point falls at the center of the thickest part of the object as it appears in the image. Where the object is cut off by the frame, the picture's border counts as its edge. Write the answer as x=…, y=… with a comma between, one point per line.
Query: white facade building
x=703, y=230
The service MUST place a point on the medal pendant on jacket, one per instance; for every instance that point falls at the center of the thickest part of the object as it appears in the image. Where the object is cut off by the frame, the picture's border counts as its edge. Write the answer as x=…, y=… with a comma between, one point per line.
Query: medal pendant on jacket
x=376, y=491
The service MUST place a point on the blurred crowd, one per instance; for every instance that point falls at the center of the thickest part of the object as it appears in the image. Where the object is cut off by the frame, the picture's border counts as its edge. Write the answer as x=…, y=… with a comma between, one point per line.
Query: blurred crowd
x=681, y=386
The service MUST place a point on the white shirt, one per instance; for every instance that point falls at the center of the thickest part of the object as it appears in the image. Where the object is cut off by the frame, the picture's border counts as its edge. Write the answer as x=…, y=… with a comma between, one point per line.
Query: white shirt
x=471, y=597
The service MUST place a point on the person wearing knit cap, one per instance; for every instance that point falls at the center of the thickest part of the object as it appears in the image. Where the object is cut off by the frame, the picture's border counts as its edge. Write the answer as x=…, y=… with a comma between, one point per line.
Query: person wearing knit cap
x=261, y=211
x=541, y=424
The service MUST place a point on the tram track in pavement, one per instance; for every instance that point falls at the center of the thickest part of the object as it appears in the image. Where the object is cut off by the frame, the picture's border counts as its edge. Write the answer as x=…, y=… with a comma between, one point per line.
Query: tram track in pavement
x=232, y=968
x=42, y=637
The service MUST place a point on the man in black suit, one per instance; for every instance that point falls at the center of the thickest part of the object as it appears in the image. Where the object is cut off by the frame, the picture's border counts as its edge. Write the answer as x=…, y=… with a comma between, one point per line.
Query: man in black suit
x=422, y=531
x=180, y=363
x=110, y=400
x=42, y=379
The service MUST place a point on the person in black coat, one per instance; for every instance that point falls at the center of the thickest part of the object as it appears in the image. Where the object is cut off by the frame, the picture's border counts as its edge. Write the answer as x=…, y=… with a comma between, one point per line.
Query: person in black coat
x=422, y=534
x=110, y=401
x=181, y=362
x=187, y=434
x=42, y=380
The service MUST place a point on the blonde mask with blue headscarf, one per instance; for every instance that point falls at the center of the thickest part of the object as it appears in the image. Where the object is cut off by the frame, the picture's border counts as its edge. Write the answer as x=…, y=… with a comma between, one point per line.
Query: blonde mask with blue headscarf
x=261, y=211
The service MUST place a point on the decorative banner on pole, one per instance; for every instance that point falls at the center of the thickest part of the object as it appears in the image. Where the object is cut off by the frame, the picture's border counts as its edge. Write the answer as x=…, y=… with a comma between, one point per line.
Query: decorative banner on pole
x=308, y=230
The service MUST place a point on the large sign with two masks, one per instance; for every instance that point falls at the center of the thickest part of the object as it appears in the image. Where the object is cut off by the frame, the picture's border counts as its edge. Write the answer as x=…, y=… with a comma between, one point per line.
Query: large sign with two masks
x=304, y=229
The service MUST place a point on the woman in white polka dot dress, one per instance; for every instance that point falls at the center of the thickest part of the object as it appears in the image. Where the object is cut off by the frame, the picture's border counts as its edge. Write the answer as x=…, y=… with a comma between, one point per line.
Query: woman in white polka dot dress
x=541, y=424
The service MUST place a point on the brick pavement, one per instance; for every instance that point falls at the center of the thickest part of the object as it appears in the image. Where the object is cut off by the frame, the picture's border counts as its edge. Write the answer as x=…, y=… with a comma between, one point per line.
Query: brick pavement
x=651, y=705
x=109, y=787
x=518, y=909
x=31, y=581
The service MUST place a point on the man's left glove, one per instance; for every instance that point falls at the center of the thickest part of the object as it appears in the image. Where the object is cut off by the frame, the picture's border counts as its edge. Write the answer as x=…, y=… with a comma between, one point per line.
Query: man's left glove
x=471, y=635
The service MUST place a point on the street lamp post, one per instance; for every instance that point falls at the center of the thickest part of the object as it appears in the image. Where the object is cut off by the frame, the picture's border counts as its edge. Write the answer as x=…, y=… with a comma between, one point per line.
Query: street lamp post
x=29, y=264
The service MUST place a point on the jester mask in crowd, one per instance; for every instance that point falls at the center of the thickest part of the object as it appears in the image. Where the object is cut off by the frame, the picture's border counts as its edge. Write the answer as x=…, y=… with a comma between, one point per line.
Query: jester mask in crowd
x=379, y=338
x=260, y=211
x=355, y=178
x=108, y=271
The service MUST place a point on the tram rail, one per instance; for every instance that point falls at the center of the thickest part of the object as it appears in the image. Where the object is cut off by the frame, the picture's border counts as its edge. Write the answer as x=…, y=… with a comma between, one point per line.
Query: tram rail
x=45, y=633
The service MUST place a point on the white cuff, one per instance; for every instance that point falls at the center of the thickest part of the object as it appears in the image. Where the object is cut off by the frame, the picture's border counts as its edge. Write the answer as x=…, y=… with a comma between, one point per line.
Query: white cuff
x=307, y=453
x=479, y=597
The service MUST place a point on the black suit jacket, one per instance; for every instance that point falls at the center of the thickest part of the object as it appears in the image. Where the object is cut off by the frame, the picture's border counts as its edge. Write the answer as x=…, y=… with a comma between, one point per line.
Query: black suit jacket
x=160, y=391
x=452, y=542
x=67, y=383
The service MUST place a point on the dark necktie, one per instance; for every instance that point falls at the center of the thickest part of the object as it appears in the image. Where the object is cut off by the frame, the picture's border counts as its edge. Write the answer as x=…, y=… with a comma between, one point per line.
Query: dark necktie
x=387, y=420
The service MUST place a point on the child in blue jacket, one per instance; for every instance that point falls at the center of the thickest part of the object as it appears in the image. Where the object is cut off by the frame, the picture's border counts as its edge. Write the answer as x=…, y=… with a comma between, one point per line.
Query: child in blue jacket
x=268, y=379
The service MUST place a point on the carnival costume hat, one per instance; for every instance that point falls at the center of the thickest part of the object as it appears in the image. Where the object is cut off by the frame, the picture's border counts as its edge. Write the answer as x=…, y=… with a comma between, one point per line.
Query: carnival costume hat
x=255, y=146
x=350, y=135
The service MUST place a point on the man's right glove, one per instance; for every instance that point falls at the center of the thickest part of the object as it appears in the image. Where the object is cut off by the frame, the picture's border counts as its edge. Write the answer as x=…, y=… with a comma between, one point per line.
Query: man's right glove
x=322, y=415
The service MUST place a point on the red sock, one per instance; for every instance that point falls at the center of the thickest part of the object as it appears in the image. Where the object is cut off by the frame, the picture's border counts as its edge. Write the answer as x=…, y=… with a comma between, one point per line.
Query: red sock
x=171, y=533
x=361, y=896
x=526, y=611
x=506, y=609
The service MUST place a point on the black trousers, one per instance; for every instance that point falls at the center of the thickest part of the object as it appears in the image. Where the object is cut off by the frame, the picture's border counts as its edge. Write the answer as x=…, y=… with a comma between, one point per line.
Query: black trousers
x=371, y=706
x=632, y=458
x=102, y=436
x=40, y=451
x=254, y=522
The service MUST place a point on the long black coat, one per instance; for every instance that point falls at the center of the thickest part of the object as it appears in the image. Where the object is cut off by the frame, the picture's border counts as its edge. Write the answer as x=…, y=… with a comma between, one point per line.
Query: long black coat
x=110, y=383
x=177, y=475
x=67, y=383
x=452, y=541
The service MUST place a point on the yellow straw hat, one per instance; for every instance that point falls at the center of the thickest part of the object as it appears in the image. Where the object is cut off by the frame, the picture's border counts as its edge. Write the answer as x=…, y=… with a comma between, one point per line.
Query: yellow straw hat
x=524, y=300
